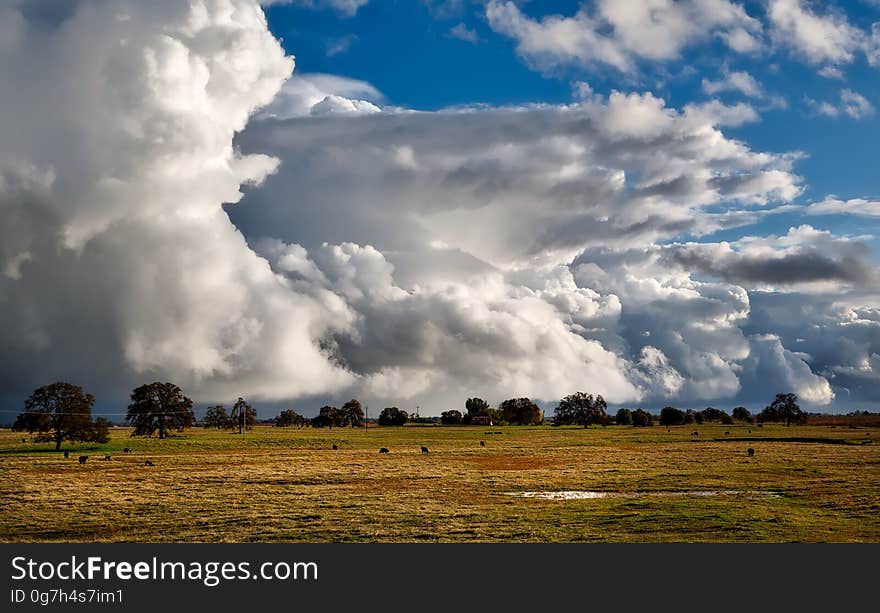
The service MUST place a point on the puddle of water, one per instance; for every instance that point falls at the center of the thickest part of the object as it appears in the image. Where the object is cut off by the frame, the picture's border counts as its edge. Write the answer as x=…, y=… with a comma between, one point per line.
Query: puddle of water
x=587, y=495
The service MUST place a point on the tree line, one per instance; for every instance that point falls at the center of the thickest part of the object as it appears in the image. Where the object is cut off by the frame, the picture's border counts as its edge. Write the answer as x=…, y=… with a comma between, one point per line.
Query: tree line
x=783, y=408
x=61, y=411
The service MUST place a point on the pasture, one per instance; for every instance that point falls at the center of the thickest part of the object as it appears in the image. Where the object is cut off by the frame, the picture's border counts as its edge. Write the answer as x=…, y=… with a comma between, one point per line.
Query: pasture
x=804, y=483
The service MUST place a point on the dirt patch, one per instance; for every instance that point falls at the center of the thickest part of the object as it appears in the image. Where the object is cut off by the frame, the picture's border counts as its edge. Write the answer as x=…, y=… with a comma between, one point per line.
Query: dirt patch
x=511, y=462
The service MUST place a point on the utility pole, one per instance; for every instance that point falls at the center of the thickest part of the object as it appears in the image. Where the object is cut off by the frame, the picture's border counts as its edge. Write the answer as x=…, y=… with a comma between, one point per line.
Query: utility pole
x=366, y=416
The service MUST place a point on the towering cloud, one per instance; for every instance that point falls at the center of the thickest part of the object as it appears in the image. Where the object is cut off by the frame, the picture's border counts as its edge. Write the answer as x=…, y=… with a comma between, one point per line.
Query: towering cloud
x=120, y=265
x=400, y=256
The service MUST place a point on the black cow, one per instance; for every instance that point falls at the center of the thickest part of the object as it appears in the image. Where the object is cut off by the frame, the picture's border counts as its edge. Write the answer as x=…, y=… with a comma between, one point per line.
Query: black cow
x=695, y=433
x=424, y=449
x=384, y=450
x=149, y=463
x=83, y=458
x=126, y=450
x=751, y=452
x=727, y=433
x=66, y=454
x=482, y=443
x=335, y=447
x=107, y=457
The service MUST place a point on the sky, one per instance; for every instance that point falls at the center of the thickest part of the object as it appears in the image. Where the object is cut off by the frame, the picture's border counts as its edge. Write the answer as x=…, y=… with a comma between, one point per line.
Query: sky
x=416, y=202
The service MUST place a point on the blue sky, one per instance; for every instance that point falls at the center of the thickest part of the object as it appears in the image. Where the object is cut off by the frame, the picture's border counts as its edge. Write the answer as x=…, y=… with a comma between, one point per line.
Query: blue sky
x=406, y=50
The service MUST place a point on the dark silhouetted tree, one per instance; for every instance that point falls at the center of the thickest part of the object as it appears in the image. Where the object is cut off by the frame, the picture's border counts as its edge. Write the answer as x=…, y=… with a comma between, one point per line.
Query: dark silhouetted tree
x=642, y=418
x=60, y=411
x=100, y=431
x=520, y=412
x=582, y=409
x=475, y=407
x=32, y=421
x=288, y=418
x=216, y=417
x=783, y=408
x=243, y=416
x=353, y=414
x=159, y=406
x=452, y=417
x=670, y=416
x=327, y=417
x=392, y=416
x=742, y=414
x=710, y=414
x=624, y=417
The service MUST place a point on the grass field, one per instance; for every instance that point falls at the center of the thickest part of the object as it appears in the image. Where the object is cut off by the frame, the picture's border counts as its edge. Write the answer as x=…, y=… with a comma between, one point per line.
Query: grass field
x=806, y=483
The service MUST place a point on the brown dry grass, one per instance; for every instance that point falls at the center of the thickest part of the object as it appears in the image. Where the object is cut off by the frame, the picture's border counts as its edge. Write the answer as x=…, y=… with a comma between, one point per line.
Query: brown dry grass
x=288, y=485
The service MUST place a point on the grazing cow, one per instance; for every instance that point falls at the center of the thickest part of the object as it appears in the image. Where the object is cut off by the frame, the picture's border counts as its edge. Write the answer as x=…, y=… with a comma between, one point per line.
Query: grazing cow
x=126, y=450
x=83, y=458
x=107, y=457
x=751, y=452
x=482, y=443
x=384, y=450
x=66, y=454
x=424, y=449
x=695, y=433
x=335, y=447
x=149, y=463
x=727, y=433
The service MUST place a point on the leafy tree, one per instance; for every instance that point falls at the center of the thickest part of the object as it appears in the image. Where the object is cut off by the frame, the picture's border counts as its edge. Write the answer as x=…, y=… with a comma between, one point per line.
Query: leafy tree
x=243, y=415
x=392, y=416
x=521, y=412
x=642, y=418
x=475, y=407
x=217, y=417
x=289, y=418
x=583, y=409
x=670, y=416
x=742, y=414
x=159, y=406
x=783, y=408
x=352, y=413
x=624, y=417
x=327, y=417
x=62, y=409
x=726, y=419
x=452, y=417
x=710, y=414
x=32, y=421
x=496, y=417
x=100, y=431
